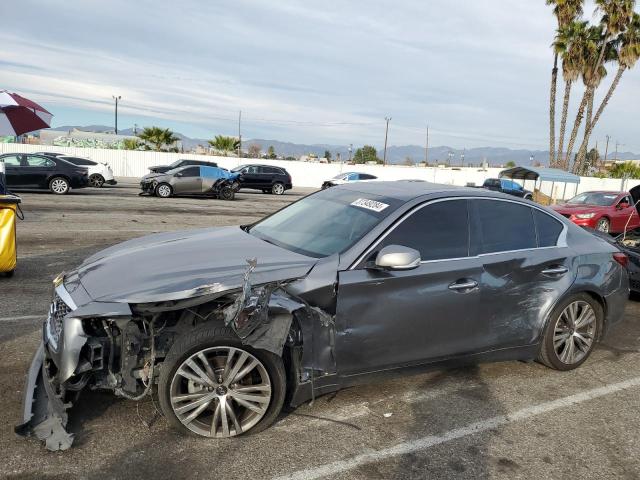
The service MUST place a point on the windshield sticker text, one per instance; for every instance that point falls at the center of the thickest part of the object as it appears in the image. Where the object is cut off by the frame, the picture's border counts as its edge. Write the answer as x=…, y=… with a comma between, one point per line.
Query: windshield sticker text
x=369, y=204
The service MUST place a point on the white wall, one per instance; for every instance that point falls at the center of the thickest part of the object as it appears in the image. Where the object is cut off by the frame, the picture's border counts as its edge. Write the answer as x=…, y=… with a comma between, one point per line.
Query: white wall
x=127, y=163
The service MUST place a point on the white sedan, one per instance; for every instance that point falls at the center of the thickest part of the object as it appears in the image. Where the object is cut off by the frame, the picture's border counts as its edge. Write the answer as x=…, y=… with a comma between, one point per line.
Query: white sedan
x=99, y=173
x=348, y=177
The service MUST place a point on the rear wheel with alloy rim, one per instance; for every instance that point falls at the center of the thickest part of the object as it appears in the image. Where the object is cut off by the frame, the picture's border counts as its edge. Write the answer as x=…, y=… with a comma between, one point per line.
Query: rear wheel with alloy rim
x=277, y=189
x=59, y=185
x=603, y=225
x=213, y=386
x=96, y=180
x=164, y=190
x=571, y=333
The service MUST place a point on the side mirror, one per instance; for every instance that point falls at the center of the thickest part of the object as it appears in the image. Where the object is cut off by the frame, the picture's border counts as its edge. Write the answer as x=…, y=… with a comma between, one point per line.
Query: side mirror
x=397, y=257
x=179, y=174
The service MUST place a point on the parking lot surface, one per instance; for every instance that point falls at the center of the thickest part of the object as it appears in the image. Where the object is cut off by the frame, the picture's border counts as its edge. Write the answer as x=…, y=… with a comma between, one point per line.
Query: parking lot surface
x=503, y=420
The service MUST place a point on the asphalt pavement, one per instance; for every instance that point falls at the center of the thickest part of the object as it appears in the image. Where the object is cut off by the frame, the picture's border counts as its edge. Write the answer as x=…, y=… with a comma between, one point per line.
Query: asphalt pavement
x=504, y=420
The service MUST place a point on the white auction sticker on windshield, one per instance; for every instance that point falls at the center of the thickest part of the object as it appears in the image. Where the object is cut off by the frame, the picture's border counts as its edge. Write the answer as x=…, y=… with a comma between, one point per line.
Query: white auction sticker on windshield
x=369, y=204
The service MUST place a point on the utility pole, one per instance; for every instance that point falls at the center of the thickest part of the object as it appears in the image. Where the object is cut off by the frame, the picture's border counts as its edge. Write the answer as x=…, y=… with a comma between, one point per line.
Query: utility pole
x=426, y=149
x=615, y=157
x=135, y=128
x=239, y=134
x=117, y=99
x=606, y=151
x=350, y=149
x=464, y=150
x=386, y=132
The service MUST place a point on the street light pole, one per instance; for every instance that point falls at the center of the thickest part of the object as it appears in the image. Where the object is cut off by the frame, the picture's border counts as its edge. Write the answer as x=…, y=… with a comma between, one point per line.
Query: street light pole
x=117, y=99
x=386, y=132
x=426, y=149
x=239, y=134
x=350, y=149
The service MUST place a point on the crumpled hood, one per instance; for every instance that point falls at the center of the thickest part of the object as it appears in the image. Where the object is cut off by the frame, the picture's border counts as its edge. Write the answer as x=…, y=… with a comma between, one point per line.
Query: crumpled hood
x=185, y=264
x=150, y=176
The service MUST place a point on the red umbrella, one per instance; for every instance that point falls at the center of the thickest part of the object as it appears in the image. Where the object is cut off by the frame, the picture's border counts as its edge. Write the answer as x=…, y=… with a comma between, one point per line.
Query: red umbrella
x=20, y=115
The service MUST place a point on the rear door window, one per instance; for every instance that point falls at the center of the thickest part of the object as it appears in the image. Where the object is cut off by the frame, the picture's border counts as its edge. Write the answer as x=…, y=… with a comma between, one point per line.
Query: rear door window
x=39, y=162
x=438, y=231
x=501, y=226
x=548, y=229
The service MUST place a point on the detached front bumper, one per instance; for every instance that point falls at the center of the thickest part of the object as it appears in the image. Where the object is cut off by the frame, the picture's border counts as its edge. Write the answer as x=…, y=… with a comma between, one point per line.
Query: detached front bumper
x=148, y=187
x=44, y=409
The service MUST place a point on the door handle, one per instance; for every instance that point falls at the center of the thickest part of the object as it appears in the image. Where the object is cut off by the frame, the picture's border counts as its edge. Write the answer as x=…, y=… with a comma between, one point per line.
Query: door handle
x=560, y=270
x=463, y=285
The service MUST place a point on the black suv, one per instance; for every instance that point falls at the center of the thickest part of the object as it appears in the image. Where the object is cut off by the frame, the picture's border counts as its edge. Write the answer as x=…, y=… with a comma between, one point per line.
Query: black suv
x=181, y=163
x=507, y=186
x=267, y=178
x=26, y=171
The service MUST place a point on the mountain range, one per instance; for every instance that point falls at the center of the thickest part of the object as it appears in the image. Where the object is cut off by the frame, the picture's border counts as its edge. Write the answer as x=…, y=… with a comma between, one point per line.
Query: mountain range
x=396, y=154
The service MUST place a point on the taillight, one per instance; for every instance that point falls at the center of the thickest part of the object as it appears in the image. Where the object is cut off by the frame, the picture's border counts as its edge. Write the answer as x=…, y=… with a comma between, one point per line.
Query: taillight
x=621, y=258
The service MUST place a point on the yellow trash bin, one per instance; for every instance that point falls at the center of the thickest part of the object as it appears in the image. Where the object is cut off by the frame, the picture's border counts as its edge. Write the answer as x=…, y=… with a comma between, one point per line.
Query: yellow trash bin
x=9, y=208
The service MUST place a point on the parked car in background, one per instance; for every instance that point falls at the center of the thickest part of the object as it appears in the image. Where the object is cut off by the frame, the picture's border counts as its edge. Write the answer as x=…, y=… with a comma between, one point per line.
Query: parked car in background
x=181, y=163
x=348, y=177
x=99, y=173
x=230, y=324
x=602, y=210
x=267, y=178
x=507, y=186
x=31, y=171
x=192, y=180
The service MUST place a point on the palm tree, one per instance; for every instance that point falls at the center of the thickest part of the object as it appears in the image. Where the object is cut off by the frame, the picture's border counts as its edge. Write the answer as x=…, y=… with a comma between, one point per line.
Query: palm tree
x=588, y=45
x=566, y=11
x=158, y=137
x=225, y=144
x=569, y=44
x=628, y=54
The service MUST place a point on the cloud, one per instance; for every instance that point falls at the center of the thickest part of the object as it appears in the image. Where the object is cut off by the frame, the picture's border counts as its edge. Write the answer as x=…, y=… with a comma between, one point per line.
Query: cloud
x=478, y=73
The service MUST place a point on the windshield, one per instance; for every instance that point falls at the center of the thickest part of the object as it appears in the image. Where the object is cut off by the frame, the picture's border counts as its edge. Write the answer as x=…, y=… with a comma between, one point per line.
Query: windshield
x=237, y=169
x=325, y=223
x=600, y=199
x=175, y=164
x=340, y=177
x=173, y=171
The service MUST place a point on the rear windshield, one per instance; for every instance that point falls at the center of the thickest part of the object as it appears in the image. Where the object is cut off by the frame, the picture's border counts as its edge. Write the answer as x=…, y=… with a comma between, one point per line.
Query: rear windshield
x=330, y=221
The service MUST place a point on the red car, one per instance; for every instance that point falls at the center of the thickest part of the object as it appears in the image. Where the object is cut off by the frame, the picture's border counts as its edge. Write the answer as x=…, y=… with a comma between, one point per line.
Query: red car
x=604, y=211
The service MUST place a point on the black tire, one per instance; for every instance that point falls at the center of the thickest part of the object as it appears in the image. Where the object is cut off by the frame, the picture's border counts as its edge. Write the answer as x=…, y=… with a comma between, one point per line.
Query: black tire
x=96, y=180
x=227, y=193
x=548, y=355
x=163, y=190
x=278, y=188
x=528, y=197
x=9, y=274
x=59, y=186
x=207, y=336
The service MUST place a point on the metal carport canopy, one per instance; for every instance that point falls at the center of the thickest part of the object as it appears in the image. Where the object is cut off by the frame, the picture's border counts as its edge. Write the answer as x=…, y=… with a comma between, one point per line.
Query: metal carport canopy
x=539, y=173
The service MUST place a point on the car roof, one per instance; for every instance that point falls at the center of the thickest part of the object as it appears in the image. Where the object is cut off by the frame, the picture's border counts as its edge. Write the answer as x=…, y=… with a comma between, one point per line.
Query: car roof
x=406, y=191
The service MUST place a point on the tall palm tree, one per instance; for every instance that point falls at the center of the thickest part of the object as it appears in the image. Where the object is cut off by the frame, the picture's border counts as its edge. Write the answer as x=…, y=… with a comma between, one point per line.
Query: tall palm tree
x=225, y=144
x=566, y=11
x=628, y=54
x=588, y=45
x=158, y=137
x=569, y=44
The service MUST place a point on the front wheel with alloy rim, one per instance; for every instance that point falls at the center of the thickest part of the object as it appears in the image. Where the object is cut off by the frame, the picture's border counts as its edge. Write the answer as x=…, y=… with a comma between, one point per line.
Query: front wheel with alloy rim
x=277, y=189
x=96, y=180
x=571, y=332
x=213, y=386
x=164, y=190
x=603, y=225
x=59, y=185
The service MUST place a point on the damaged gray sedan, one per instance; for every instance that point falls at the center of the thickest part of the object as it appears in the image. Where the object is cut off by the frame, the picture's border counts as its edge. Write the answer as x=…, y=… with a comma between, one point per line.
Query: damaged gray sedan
x=346, y=285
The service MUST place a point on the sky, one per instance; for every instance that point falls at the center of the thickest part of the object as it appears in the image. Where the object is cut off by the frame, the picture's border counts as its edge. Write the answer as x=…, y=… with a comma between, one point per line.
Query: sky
x=326, y=72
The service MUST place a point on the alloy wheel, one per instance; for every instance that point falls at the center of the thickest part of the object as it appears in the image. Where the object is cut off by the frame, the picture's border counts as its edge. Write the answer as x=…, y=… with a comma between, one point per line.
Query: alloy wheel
x=59, y=186
x=220, y=392
x=96, y=181
x=603, y=225
x=278, y=189
x=574, y=332
x=164, y=191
